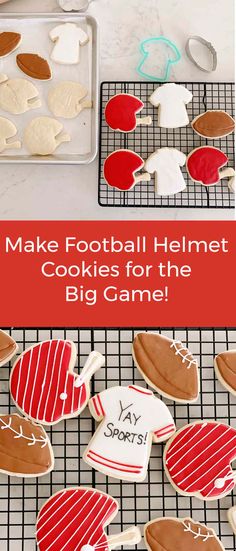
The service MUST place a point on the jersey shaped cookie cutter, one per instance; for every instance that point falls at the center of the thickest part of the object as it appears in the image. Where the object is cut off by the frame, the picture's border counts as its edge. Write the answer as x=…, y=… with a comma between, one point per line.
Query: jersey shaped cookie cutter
x=170, y=62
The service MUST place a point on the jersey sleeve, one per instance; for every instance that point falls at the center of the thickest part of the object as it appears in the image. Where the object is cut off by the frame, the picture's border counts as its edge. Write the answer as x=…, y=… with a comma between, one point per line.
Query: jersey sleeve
x=187, y=96
x=100, y=403
x=151, y=163
x=164, y=426
x=55, y=33
x=82, y=37
x=155, y=98
x=179, y=157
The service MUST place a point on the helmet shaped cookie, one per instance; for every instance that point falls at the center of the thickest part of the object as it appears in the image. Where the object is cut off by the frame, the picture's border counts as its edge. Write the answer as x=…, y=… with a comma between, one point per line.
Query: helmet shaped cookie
x=198, y=460
x=174, y=534
x=167, y=366
x=121, y=111
x=44, y=386
x=8, y=131
x=204, y=164
x=8, y=348
x=44, y=135
x=75, y=519
x=225, y=368
x=18, y=95
x=213, y=125
x=67, y=99
x=121, y=167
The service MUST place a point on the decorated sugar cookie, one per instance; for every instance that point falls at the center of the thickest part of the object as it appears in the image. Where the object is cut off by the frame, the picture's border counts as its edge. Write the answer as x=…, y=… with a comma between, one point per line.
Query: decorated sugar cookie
x=175, y=534
x=131, y=418
x=76, y=518
x=68, y=39
x=9, y=42
x=167, y=366
x=121, y=167
x=18, y=95
x=225, y=368
x=44, y=386
x=121, y=113
x=25, y=449
x=171, y=100
x=44, y=135
x=198, y=460
x=232, y=518
x=204, y=164
x=67, y=99
x=8, y=348
x=165, y=164
x=8, y=131
x=213, y=125
x=34, y=66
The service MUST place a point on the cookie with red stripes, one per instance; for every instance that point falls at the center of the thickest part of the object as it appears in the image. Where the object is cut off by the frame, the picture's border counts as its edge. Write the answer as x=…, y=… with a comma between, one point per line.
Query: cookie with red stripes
x=8, y=348
x=198, y=460
x=75, y=520
x=45, y=387
x=132, y=419
x=175, y=534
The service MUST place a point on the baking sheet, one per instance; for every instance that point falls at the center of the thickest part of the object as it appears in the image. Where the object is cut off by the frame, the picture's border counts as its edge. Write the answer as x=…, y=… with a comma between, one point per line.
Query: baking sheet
x=35, y=39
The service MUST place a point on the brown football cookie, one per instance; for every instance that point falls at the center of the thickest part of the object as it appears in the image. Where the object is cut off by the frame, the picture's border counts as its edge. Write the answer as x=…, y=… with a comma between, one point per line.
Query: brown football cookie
x=167, y=366
x=34, y=66
x=225, y=368
x=172, y=534
x=25, y=449
x=9, y=42
x=8, y=348
x=213, y=124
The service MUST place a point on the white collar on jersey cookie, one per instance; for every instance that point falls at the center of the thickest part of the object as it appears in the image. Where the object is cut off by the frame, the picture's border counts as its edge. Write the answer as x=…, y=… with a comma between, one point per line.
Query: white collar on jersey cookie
x=185, y=358
x=141, y=390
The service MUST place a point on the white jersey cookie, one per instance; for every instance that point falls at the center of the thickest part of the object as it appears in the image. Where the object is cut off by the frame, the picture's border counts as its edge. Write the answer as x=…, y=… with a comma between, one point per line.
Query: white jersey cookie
x=171, y=99
x=132, y=418
x=165, y=163
x=43, y=135
x=18, y=95
x=7, y=131
x=68, y=39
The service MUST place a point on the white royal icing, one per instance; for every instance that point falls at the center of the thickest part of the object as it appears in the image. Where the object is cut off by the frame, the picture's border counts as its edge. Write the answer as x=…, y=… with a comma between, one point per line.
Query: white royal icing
x=68, y=38
x=165, y=163
x=171, y=99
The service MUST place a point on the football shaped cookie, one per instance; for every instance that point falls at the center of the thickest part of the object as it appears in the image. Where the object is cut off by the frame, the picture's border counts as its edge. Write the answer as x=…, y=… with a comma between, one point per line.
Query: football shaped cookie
x=213, y=125
x=9, y=42
x=34, y=66
x=232, y=518
x=121, y=113
x=75, y=519
x=44, y=386
x=173, y=534
x=121, y=167
x=225, y=368
x=25, y=449
x=204, y=164
x=198, y=459
x=8, y=348
x=167, y=366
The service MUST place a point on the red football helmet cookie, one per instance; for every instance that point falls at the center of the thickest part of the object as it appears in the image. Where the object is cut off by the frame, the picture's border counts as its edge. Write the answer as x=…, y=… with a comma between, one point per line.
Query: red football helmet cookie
x=204, y=164
x=121, y=111
x=120, y=170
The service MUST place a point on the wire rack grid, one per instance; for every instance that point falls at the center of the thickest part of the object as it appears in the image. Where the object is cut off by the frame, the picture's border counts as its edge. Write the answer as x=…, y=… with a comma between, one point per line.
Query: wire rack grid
x=20, y=500
x=147, y=139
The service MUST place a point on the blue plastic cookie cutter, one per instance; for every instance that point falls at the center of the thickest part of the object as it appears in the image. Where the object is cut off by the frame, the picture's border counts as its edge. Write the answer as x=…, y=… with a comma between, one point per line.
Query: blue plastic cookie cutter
x=145, y=54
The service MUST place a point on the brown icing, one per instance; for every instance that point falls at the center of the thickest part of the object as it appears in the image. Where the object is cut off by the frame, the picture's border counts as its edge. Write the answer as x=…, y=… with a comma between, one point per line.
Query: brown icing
x=163, y=368
x=226, y=363
x=22, y=447
x=8, y=42
x=214, y=124
x=168, y=534
x=7, y=347
x=34, y=66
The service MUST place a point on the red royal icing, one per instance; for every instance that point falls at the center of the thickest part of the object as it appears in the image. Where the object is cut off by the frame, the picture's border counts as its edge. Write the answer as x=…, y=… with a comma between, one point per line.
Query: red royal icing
x=201, y=454
x=40, y=376
x=203, y=165
x=120, y=168
x=121, y=111
x=74, y=518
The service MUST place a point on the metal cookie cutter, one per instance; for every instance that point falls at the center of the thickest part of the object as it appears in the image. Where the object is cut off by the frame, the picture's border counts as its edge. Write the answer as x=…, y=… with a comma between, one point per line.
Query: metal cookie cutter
x=209, y=46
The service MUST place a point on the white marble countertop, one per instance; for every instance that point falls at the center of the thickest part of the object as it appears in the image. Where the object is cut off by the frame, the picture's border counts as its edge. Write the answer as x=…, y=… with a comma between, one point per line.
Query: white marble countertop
x=70, y=192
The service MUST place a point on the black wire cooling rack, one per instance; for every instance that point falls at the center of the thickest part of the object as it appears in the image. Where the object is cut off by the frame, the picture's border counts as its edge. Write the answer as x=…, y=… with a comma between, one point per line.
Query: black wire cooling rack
x=147, y=139
x=21, y=500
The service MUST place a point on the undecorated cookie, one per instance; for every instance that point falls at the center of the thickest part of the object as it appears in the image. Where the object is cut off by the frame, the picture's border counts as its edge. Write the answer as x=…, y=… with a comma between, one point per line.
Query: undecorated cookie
x=213, y=125
x=225, y=368
x=9, y=42
x=34, y=66
x=25, y=449
x=68, y=39
x=7, y=131
x=18, y=95
x=43, y=135
x=8, y=348
x=67, y=100
x=173, y=534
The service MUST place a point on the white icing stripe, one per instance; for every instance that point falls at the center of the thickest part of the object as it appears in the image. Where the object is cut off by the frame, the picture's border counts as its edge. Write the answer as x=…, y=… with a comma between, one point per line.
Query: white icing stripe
x=64, y=402
x=44, y=380
x=73, y=395
x=27, y=380
x=198, y=534
x=73, y=520
x=185, y=358
x=51, y=516
x=58, y=379
x=51, y=379
x=209, y=483
x=80, y=396
x=203, y=451
x=90, y=526
x=49, y=508
x=200, y=466
x=35, y=378
x=97, y=543
x=186, y=443
x=225, y=489
x=62, y=518
x=19, y=379
x=20, y=434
